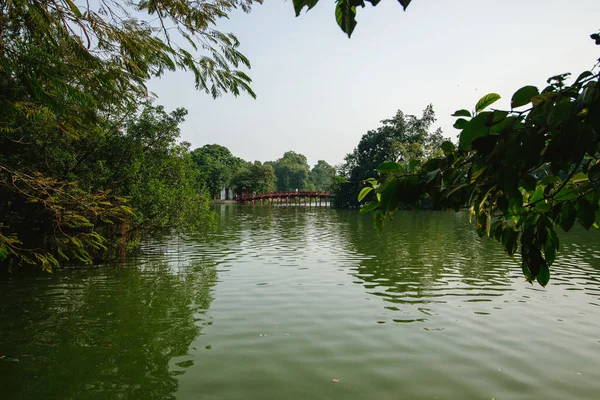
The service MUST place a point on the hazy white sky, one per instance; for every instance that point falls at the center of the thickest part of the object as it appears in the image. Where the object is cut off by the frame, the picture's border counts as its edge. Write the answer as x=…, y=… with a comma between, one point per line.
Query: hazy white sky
x=319, y=92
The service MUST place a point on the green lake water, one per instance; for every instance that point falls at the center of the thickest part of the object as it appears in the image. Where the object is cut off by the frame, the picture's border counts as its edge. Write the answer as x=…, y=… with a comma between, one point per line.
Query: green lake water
x=295, y=303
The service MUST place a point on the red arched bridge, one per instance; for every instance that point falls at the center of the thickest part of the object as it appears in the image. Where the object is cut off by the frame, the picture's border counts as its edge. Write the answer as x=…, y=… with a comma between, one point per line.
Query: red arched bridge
x=287, y=198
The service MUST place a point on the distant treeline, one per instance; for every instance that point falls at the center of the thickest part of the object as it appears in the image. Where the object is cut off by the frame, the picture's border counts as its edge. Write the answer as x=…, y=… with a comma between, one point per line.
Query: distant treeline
x=220, y=169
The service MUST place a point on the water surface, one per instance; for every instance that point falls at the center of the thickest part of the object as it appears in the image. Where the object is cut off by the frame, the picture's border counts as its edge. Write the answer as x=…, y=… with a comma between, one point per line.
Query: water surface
x=291, y=303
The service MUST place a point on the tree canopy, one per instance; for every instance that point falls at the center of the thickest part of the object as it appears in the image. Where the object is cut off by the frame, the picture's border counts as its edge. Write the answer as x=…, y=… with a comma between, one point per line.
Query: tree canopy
x=405, y=139
x=321, y=177
x=255, y=178
x=291, y=171
x=217, y=166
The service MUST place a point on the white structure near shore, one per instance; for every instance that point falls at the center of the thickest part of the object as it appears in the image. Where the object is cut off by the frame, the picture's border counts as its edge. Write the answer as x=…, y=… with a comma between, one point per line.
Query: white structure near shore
x=226, y=194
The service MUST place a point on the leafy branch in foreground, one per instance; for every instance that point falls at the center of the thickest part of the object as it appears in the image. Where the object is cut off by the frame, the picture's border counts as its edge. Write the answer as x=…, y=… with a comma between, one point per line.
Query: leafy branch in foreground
x=108, y=46
x=345, y=10
x=72, y=77
x=520, y=172
x=71, y=214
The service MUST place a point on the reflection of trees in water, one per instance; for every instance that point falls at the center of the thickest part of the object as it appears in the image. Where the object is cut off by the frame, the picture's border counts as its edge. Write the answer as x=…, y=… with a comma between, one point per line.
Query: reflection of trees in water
x=290, y=227
x=102, y=333
x=419, y=254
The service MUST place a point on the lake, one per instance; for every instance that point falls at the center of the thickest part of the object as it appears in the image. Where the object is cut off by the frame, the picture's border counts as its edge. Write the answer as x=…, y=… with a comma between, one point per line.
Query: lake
x=295, y=303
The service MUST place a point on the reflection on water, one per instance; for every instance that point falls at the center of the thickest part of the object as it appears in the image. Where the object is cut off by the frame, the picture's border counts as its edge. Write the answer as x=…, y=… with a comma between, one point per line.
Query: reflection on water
x=428, y=260
x=309, y=304
x=107, y=332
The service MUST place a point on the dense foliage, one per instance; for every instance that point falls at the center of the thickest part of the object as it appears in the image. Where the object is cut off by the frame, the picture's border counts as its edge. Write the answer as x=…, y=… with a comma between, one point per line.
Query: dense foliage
x=321, y=177
x=255, y=178
x=521, y=172
x=84, y=161
x=218, y=166
x=220, y=169
x=405, y=139
x=291, y=171
x=155, y=172
x=80, y=200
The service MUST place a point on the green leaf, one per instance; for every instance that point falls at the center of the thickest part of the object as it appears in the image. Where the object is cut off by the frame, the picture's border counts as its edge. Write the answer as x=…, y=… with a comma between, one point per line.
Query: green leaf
x=460, y=123
x=486, y=101
x=523, y=96
x=389, y=195
x=584, y=75
x=504, y=125
x=495, y=229
x=586, y=213
x=543, y=98
x=412, y=164
x=526, y=272
x=433, y=164
x=75, y=10
x=404, y=3
x=345, y=15
x=447, y=147
x=476, y=128
x=543, y=275
x=594, y=172
x=508, y=178
x=550, y=250
x=538, y=194
x=528, y=182
x=390, y=167
x=567, y=216
x=509, y=240
x=462, y=113
x=550, y=179
x=300, y=4
x=499, y=116
x=370, y=206
x=365, y=191
x=567, y=193
x=532, y=257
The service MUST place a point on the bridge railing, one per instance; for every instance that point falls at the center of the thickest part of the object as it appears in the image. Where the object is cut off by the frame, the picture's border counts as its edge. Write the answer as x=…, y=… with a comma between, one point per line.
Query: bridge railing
x=315, y=194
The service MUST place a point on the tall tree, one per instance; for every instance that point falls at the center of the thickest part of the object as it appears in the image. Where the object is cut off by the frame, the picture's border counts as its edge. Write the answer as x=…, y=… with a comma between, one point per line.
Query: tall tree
x=156, y=172
x=291, y=171
x=256, y=178
x=403, y=138
x=321, y=176
x=217, y=166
